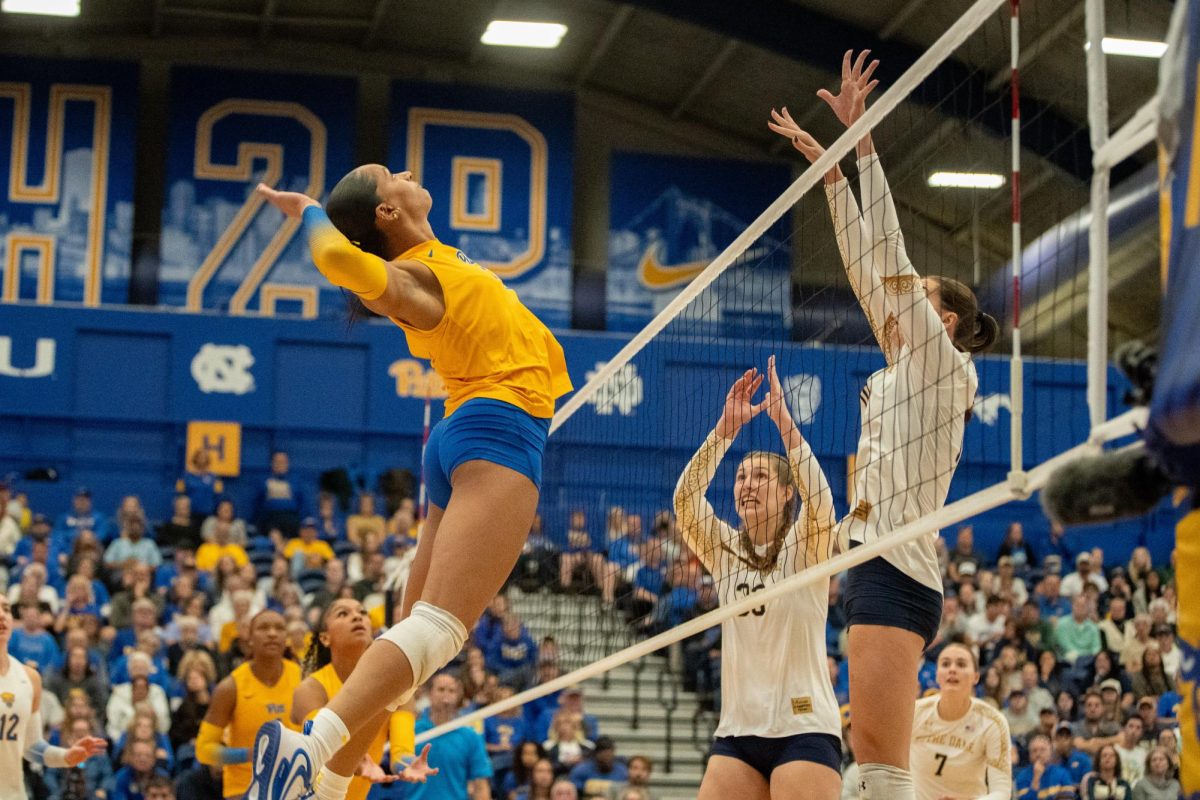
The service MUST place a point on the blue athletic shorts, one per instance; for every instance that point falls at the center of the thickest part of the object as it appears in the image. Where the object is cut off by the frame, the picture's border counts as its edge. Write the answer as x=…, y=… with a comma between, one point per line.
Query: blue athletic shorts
x=484, y=430
x=766, y=753
x=878, y=593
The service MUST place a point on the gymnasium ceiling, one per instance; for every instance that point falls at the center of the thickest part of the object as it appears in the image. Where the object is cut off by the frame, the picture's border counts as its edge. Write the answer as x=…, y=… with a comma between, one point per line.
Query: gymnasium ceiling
x=705, y=72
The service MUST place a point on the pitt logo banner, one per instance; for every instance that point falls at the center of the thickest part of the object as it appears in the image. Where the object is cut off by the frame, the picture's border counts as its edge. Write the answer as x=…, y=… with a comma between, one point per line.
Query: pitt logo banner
x=671, y=217
x=66, y=160
x=499, y=168
x=223, y=248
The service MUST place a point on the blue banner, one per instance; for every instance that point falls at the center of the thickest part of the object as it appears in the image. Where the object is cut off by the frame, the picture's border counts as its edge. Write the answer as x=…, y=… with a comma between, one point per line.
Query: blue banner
x=67, y=131
x=670, y=217
x=498, y=165
x=222, y=247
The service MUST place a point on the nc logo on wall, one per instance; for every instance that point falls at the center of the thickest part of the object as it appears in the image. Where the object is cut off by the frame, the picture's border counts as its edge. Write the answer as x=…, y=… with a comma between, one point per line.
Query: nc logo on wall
x=622, y=393
x=671, y=217
x=43, y=360
x=223, y=368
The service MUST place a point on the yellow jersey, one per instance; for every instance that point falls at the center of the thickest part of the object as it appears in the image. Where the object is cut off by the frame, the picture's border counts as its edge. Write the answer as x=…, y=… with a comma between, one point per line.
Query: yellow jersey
x=211, y=553
x=488, y=344
x=257, y=704
x=401, y=730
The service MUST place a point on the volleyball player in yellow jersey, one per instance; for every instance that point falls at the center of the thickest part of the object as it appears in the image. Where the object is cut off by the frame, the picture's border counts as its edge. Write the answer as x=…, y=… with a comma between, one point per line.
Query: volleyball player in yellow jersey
x=255, y=693
x=341, y=637
x=483, y=464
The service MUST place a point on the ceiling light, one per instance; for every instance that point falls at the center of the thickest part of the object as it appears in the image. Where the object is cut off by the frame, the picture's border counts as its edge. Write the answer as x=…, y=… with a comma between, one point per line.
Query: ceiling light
x=966, y=180
x=510, y=33
x=50, y=8
x=1140, y=48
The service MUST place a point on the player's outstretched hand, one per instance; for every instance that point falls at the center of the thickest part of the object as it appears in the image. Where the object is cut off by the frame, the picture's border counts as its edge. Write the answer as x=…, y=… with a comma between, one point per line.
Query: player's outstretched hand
x=783, y=124
x=290, y=203
x=775, y=404
x=739, y=404
x=84, y=749
x=418, y=770
x=374, y=773
x=850, y=102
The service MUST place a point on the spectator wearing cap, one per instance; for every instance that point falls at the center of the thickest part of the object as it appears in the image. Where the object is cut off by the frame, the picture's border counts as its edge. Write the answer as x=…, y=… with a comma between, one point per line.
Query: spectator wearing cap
x=595, y=776
x=1111, y=694
x=571, y=701
x=1084, y=573
x=132, y=546
x=1147, y=710
x=301, y=550
x=1067, y=755
x=82, y=516
x=1168, y=648
x=280, y=501
x=1077, y=635
x=1092, y=731
x=1043, y=777
x=201, y=486
x=1049, y=597
x=964, y=561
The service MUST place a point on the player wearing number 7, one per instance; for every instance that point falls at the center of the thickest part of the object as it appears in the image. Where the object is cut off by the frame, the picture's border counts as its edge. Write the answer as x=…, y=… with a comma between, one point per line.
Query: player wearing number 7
x=779, y=734
x=961, y=746
x=21, y=721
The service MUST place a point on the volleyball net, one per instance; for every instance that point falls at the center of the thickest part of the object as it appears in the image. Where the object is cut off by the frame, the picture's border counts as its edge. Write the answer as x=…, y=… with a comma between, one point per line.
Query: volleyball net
x=974, y=201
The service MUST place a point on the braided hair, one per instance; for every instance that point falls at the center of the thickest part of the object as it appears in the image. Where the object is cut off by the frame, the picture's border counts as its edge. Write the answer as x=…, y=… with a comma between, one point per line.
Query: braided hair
x=748, y=555
x=318, y=654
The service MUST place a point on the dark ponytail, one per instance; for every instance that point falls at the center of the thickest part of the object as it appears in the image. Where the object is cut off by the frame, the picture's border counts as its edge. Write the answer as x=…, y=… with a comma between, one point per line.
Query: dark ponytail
x=351, y=209
x=975, y=331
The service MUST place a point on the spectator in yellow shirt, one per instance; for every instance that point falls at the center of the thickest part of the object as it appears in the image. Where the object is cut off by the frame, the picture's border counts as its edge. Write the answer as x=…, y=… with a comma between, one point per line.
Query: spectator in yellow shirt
x=307, y=544
x=211, y=553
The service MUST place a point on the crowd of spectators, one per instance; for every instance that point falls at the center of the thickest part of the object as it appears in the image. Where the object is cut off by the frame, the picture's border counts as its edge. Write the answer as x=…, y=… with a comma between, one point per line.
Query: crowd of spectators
x=132, y=621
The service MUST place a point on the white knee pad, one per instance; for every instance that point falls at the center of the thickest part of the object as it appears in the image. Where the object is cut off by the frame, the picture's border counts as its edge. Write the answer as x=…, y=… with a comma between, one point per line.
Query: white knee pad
x=429, y=637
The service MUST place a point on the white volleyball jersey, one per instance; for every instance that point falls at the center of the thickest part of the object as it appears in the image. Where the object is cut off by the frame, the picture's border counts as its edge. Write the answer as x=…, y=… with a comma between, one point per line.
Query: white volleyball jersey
x=16, y=707
x=774, y=674
x=966, y=757
x=913, y=411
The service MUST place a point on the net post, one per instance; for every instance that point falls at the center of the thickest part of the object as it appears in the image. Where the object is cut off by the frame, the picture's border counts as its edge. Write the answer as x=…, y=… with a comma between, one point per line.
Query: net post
x=1016, y=475
x=1097, y=351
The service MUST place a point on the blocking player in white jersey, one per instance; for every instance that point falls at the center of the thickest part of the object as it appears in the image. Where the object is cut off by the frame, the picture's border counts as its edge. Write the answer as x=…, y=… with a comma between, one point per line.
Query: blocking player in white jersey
x=779, y=733
x=914, y=411
x=21, y=721
x=961, y=746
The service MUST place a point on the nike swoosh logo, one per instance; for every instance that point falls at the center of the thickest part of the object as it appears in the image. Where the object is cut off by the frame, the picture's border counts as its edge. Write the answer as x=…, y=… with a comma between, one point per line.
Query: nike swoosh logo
x=655, y=275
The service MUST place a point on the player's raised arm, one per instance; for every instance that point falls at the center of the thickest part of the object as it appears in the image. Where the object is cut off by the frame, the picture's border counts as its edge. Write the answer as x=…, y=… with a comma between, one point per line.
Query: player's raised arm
x=698, y=522
x=817, y=517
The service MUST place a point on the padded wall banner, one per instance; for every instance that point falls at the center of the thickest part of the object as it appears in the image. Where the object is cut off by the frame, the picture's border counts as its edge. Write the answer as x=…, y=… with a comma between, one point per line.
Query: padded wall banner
x=222, y=247
x=498, y=165
x=670, y=217
x=66, y=154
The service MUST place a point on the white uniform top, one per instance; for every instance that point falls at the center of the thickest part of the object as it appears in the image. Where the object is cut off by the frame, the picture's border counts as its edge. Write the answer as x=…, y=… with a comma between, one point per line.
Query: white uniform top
x=774, y=676
x=967, y=758
x=914, y=410
x=16, y=709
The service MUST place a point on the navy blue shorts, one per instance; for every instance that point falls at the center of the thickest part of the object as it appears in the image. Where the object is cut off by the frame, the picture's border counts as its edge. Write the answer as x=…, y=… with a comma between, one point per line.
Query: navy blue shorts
x=484, y=430
x=766, y=753
x=878, y=593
